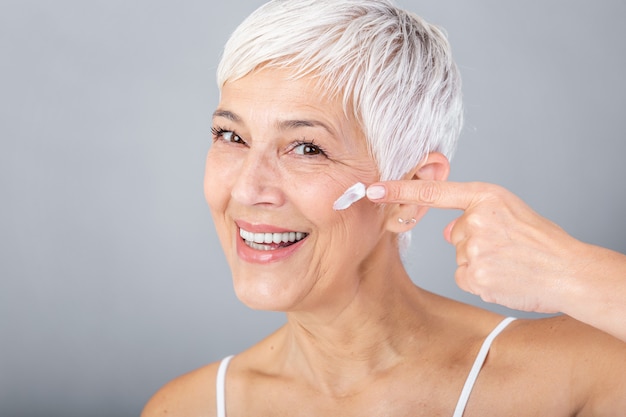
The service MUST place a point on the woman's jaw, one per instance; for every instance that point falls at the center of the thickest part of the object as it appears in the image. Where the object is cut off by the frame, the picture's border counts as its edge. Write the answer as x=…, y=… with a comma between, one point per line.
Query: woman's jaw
x=309, y=275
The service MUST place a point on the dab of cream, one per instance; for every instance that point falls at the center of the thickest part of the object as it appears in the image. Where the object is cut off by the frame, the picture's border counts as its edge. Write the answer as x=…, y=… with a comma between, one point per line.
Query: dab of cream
x=352, y=195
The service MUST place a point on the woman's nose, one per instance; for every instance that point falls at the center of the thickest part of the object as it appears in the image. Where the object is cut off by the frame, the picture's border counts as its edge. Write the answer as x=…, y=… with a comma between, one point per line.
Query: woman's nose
x=258, y=181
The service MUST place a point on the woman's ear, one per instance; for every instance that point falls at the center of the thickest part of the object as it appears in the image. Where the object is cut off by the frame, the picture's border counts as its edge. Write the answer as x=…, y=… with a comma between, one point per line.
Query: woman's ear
x=434, y=167
x=403, y=217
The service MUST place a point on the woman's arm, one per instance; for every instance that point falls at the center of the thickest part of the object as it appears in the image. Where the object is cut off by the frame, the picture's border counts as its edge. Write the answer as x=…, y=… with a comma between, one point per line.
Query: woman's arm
x=510, y=255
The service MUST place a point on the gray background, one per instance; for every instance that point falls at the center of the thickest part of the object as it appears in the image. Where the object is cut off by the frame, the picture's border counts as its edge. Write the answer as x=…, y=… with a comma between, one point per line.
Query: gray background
x=112, y=281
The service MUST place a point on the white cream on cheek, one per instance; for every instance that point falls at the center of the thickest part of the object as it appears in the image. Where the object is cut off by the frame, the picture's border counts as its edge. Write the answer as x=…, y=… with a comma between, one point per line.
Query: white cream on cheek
x=350, y=196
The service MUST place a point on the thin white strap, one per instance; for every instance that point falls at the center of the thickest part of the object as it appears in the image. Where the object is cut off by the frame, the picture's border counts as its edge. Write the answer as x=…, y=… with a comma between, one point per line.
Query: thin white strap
x=220, y=386
x=478, y=364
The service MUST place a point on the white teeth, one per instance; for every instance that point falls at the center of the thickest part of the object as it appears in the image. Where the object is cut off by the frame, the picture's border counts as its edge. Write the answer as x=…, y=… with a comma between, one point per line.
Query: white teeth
x=261, y=240
x=258, y=246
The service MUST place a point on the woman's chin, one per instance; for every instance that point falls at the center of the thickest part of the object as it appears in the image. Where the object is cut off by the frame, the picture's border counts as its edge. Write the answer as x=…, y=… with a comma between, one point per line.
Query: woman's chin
x=265, y=297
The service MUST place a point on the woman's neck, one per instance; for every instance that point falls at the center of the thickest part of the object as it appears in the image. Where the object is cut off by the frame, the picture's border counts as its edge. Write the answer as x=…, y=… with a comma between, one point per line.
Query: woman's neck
x=361, y=336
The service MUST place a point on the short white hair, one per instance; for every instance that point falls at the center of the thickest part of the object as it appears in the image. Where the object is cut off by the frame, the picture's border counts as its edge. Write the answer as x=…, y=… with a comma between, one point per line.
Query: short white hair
x=393, y=69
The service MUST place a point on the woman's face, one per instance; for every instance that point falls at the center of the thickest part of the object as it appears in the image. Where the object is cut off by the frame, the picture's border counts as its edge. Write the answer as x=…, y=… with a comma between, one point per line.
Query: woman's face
x=282, y=153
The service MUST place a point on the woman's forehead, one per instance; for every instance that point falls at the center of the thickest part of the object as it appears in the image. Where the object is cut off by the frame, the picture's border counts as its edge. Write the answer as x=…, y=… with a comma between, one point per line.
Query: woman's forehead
x=279, y=86
x=275, y=95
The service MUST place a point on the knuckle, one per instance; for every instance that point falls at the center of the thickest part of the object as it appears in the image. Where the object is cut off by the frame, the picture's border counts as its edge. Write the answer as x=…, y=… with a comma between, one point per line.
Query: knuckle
x=473, y=248
x=481, y=276
x=473, y=220
x=394, y=192
x=430, y=192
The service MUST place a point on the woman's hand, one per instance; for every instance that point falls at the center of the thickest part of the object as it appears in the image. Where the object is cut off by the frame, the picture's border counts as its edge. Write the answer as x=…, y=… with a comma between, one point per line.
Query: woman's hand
x=510, y=255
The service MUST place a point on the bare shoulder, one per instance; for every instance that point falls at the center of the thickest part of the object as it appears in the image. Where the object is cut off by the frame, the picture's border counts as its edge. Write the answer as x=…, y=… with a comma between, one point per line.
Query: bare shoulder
x=566, y=336
x=588, y=364
x=189, y=395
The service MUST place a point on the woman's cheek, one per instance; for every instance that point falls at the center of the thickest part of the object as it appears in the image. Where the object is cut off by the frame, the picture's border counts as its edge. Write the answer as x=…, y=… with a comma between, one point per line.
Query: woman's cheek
x=218, y=177
x=315, y=191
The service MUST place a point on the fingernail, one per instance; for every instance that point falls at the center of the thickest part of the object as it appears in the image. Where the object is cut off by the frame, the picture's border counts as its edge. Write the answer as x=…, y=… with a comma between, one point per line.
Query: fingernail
x=376, y=192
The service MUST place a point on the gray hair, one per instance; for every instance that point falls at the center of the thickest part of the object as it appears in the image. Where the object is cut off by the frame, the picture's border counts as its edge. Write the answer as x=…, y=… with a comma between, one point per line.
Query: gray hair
x=393, y=69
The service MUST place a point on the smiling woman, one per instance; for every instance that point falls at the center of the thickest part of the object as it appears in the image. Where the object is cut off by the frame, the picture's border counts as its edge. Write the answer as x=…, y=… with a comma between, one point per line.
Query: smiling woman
x=281, y=156
x=317, y=95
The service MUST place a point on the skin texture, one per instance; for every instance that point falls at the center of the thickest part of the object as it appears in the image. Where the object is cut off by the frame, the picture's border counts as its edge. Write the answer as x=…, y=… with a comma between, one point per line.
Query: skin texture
x=360, y=338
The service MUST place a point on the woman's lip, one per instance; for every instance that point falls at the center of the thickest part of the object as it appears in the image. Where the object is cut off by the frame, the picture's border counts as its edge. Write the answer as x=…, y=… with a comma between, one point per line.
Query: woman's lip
x=248, y=254
x=262, y=228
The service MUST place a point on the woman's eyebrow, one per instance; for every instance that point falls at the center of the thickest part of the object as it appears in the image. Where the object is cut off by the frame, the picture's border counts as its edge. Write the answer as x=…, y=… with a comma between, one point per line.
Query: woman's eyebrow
x=297, y=123
x=289, y=124
x=227, y=115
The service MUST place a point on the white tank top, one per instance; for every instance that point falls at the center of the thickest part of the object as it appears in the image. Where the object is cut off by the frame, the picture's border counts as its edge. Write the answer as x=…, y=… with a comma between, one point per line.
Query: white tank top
x=460, y=405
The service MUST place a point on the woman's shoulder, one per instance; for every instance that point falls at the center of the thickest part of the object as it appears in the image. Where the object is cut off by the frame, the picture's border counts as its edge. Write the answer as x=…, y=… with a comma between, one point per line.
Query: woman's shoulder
x=194, y=393
x=560, y=332
x=189, y=395
x=556, y=338
x=552, y=360
x=587, y=364
x=562, y=335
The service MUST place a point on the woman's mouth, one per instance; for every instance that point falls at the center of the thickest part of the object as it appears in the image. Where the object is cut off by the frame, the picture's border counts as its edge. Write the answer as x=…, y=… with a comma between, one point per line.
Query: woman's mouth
x=270, y=241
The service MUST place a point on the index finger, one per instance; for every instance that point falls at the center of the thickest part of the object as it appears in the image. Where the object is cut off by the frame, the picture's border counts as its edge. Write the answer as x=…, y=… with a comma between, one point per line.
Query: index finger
x=430, y=193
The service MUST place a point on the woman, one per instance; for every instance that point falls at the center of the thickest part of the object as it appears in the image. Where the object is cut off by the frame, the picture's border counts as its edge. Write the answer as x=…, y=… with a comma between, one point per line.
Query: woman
x=317, y=95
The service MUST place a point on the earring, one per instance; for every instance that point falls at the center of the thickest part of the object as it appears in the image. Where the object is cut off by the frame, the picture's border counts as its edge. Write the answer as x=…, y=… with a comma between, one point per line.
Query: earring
x=407, y=222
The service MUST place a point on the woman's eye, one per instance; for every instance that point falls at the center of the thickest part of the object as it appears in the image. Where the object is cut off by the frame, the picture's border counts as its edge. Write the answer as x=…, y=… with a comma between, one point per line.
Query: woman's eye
x=308, y=149
x=227, y=136
x=231, y=137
